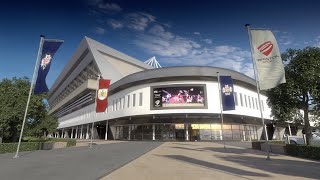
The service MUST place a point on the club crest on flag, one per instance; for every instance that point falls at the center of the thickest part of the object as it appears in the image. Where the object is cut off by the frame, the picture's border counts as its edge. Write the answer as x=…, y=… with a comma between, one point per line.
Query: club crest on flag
x=227, y=90
x=102, y=94
x=266, y=48
x=45, y=61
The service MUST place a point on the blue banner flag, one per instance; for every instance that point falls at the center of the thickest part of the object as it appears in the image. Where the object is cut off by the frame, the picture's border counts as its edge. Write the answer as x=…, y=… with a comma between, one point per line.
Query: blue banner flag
x=49, y=48
x=226, y=85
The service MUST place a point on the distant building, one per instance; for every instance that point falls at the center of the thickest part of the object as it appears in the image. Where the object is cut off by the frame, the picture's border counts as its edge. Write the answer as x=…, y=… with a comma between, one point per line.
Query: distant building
x=147, y=103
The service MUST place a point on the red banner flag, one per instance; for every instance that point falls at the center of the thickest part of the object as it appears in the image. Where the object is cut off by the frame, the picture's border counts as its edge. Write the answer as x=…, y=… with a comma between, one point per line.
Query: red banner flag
x=102, y=96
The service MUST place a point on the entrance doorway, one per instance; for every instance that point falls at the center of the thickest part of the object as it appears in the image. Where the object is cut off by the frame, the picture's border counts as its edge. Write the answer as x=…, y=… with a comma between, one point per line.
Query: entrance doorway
x=180, y=134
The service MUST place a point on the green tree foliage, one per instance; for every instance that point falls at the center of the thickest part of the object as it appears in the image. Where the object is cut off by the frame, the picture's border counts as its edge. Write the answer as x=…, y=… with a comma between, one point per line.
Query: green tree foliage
x=301, y=92
x=13, y=98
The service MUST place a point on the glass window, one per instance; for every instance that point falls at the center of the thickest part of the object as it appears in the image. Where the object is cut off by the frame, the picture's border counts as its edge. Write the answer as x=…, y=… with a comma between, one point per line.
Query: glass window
x=253, y=103
x=140, y=99
x=128, y=101
x=241, y=100
x=257, y=104
x=249, y=100
x=262, y=105
x=235, y=98
x=118, y=104
x=134, y=100
x=245, y=100
x=113, y=106
x=122, y=99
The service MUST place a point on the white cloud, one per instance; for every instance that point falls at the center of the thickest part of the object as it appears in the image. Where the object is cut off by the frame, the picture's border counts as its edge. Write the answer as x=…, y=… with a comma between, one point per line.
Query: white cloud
x=208, y=41
x=158, y=30
x=104, y=6
x=177, y=50
x=175, y=46
x=138, y=21
x=109, y=7
x=228, y=57
x=196, y=33
x=115, y=24
x=99, y=30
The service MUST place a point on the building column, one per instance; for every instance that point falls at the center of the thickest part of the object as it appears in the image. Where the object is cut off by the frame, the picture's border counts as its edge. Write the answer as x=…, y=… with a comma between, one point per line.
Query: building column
x=72, y=132
x=186, y=126
x=62, y=134
x=130, y=129
x=289, y=129
x=76, y=136
x=87, y=134
x=153, y=132
x=106, y=136
x=81, y=132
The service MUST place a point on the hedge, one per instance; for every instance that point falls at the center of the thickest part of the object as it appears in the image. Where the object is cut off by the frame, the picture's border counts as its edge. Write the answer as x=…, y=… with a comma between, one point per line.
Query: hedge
x=70, y=142
x=310, y=152
x=257, y=144
x=24, y=146
x=33, y=144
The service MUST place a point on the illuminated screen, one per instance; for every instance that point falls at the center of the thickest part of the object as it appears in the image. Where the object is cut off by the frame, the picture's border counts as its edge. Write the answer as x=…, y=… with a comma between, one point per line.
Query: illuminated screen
x=181, y=96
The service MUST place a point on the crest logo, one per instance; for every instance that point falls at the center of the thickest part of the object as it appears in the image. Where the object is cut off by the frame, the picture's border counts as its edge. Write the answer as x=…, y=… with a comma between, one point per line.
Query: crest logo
x=266, y=48
x=227, y=90
x=102, y=94
x=45, y=61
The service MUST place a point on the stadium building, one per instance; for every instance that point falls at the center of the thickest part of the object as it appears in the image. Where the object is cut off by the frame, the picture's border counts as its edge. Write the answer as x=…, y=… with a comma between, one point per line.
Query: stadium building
x=147, y=103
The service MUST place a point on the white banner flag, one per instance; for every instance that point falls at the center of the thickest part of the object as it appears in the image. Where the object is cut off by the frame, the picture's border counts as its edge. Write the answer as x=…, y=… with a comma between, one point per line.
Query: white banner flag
x=267, y=57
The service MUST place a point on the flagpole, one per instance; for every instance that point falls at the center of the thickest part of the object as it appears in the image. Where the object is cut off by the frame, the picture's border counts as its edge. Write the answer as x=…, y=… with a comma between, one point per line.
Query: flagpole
x=221, y=114
x=30, y=92
x=258, y=92
x=95, y=107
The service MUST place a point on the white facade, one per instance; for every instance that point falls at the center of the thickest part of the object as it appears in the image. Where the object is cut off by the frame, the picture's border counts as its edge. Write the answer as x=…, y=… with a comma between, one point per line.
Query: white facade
x=72, y=97
x=118, y=104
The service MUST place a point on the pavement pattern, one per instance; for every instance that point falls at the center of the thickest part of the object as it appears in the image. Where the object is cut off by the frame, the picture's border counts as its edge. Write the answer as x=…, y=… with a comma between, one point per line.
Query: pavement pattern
x=80, y=163
x=208, y=160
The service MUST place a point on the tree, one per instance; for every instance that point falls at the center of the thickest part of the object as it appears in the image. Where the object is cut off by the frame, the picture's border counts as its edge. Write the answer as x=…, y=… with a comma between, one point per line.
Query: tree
x=47, y=125
x=13, y=99
x=301, y=92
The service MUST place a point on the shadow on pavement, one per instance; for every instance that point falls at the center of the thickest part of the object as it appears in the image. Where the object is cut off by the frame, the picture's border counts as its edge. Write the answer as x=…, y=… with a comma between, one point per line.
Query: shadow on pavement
x=226, y=169
x=188, y=144
x=235, y=150
x=303, y=169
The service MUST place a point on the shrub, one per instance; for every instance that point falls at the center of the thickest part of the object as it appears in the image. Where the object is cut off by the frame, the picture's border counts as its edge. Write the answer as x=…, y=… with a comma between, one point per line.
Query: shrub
x=257, y=144
x=25, y=146
x=310, y=152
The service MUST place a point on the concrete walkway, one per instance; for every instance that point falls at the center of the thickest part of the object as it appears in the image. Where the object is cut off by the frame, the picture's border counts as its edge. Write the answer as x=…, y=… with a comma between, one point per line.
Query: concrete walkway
x=207, y=160
x=79, y=163
x=86, y=142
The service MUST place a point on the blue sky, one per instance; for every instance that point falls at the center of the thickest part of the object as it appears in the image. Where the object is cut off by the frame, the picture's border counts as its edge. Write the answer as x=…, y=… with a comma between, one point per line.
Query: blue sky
x=178, y=33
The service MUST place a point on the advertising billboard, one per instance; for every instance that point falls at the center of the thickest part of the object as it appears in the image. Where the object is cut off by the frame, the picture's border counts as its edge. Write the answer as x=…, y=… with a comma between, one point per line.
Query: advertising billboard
x=179, y=96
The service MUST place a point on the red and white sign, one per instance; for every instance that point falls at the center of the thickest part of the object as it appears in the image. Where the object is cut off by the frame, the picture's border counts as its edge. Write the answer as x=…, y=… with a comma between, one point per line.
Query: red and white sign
x=266, y=48
x=102, y=96
x=266, y=55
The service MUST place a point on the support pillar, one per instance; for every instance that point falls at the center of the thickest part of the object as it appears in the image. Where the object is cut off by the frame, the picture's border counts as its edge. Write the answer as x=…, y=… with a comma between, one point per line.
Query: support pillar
x=153, y=132
x=289, y=129
x=106, y=135
x=130, y=129
x=76, y=132
x=72, y=132
x=81, y=132
x=186, y=126
x=62, y=134
x=87, y=134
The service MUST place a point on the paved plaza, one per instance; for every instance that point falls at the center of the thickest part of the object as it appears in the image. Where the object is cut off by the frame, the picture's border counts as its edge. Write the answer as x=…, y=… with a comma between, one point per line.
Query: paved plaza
x=207, y=160
x=120, y=160
x=80, y=163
